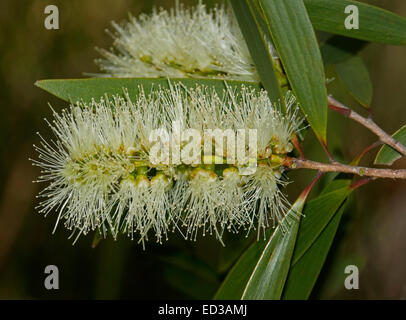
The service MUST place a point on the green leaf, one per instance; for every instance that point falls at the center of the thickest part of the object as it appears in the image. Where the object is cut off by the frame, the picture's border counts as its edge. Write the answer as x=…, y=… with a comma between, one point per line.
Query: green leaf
x=233, y=285
x=355, y=76
x=387, y=155
x=316, y=233
x=269, y=275
x=249, y=279
x=258, y=46
x=375, y=24
x=296, y=43
x=337, y=49
x=318, y=212
x=232, y=251
x=73, y=90
x=261, y=271
x=303, y=275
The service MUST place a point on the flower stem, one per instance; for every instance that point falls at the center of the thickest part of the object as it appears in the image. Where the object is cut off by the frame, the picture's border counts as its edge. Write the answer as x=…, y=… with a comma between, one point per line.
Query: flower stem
x=367, y=123
x=294, y=163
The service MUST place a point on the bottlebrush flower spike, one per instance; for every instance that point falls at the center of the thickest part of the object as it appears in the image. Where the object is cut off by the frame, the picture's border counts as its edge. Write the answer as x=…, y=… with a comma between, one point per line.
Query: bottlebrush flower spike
x=182, y=43
x=104, y=172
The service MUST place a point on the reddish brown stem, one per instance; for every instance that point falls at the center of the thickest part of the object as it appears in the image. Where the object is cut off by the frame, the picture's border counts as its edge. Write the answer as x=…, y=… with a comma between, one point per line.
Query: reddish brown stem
x=297, y=145
x=307, y=190
x=367, y=149
x=360, y=183
x=367, y=123
x=294, y=163
x=329, y=155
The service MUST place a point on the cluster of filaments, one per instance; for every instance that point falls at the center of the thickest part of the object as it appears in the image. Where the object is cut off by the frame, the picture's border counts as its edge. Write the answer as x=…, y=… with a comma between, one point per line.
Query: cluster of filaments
x=101, y=175
x=180, y=43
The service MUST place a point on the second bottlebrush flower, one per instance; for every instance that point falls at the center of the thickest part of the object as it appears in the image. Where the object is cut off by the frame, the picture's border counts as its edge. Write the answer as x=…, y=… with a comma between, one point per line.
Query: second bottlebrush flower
x=181, y=43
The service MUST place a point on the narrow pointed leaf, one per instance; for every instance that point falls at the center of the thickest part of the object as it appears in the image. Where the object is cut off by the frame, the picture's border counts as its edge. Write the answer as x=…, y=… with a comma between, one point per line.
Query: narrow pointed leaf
x=375, y=24
x=73, y=90
x=303, y=275
x=258, y=46
x=295, y=41
x=233, y=285
x=318, y=213
x=229, y=254
x=269, y=275
x=261, y=271
x=316, y=233
x=388, y=155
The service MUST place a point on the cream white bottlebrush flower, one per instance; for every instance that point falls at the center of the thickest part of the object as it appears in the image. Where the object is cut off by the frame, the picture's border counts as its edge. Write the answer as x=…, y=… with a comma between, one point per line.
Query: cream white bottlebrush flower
x=182, y=43
x=103, y=172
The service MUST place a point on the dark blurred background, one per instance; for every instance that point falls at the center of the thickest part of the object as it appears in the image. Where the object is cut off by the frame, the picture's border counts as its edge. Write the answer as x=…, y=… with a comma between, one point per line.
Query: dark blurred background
x=371, y=235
